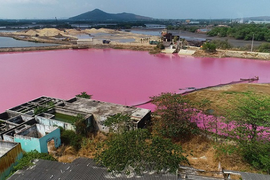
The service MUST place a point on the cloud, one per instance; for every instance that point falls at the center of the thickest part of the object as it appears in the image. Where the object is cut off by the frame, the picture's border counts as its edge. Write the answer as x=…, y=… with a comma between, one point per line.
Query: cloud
x=29, y=1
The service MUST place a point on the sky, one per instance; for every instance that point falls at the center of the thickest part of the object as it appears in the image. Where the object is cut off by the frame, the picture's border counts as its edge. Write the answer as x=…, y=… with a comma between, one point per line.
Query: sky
x=160, y=9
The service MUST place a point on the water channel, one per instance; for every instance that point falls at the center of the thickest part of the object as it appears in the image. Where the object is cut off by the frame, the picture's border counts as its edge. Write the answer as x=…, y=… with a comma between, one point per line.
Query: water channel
x=8, y=42
x=118, y=76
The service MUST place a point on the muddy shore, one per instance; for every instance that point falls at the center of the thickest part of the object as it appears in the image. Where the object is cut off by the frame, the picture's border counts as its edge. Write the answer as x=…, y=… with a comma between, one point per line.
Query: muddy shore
x=67, y=39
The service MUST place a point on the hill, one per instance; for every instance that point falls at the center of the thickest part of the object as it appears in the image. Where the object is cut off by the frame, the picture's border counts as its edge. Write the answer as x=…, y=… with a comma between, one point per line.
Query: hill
x=98, y=15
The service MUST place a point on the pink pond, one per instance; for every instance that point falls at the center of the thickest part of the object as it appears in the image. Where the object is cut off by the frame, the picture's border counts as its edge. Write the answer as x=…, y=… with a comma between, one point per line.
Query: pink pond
x=118, y=76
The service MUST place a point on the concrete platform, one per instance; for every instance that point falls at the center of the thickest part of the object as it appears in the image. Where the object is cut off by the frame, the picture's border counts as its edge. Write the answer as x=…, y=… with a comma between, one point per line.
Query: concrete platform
x=168, y=51
x=186, y=52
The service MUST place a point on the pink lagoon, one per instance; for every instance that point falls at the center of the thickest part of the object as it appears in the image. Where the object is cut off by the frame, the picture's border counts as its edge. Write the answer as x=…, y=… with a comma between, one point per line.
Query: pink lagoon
x=117, y=76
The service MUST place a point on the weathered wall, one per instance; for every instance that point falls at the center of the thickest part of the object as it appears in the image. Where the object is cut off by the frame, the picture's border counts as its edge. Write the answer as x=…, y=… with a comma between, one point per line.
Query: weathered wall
x=8, y=160
x=40, y=144
x=51, y=122
x=28, y=143
x=54, y=135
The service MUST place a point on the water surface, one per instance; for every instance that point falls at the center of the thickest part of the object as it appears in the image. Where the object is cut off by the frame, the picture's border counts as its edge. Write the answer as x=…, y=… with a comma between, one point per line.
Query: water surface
x=118, y=76
x=7, y=42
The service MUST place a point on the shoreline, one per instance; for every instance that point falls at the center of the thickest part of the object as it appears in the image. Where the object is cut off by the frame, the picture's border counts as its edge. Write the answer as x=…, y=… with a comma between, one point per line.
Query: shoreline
x=66, y=39
x=144, y=47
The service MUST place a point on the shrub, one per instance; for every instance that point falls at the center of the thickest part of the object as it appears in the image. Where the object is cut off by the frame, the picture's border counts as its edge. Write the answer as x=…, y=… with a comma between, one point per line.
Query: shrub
x=26, y=161
x=209, y=47
x=264, y=47
x=222, y=44
x=69, y=137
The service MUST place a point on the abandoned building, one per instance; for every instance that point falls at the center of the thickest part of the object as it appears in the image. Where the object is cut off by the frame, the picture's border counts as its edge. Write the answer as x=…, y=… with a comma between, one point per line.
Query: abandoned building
x=32, y=125
x=34, y=129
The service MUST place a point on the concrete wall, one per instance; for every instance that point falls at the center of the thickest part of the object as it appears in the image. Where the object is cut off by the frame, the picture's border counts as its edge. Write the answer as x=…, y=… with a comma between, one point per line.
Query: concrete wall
x=40, y=144
x=28, y=143
x=54, y=135
x=9, y=159
x=51, y=122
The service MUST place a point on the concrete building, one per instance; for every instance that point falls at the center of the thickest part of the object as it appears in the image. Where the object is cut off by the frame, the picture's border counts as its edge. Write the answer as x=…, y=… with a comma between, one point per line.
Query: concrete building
x=37, y=137
x=63, y=113
x=10, y=152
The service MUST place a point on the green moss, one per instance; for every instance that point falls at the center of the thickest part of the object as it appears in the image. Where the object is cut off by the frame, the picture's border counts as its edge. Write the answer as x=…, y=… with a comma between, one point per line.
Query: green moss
x=64, y=118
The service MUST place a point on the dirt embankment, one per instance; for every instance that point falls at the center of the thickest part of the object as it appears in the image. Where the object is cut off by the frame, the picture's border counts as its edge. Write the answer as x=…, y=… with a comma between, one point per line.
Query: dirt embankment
x=67, y=38
x=235, y=54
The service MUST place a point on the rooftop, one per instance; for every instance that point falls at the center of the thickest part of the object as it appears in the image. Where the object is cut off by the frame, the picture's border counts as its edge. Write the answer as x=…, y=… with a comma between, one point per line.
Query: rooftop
x=99, y=108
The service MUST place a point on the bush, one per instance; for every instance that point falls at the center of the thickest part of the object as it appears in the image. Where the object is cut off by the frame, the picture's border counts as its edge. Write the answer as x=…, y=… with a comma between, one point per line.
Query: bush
x=257, y=154
x=222, y=44
x=26, y=161
x=264, y=47
x=138, y=150
x=160, y=46
x=209, y=47
x=69, y=137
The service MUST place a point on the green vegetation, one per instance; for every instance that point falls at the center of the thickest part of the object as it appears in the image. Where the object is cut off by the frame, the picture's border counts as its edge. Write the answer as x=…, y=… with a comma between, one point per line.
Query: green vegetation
x=69, y=137
x=80, y=124
x=158, y=48
x=119, y=123
x=209, y=47
x=261, y=32
x=84, y=95
x=138, y=150
x=64, y=118
x=251, y=119
x=43, y=108
x=222, y=44
x=264, y=47
x=175, y=112
x=189, y=28
x=28, y=157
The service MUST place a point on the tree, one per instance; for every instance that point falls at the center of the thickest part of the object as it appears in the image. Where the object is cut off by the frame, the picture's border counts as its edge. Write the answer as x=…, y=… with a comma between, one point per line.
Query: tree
x=175, y=112
x=84, y=95
x=135, y=150
x=119, y=123
x=80, y=125
x=251, y=118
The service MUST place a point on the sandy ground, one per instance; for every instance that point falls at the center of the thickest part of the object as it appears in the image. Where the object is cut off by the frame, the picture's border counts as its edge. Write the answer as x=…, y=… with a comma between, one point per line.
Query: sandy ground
x=68, y=36
x=118, y=39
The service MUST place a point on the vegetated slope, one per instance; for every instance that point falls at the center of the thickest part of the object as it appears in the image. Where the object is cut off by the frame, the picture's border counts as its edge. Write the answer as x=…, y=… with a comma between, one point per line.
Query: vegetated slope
x=98, y=15
x=219, y=96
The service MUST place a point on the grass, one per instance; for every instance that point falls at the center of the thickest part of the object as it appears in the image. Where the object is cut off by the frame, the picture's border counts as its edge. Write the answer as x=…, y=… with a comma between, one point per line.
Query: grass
x=221, y=96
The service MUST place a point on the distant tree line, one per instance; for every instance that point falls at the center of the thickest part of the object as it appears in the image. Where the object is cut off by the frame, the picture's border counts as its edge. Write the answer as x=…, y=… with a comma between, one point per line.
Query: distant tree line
x=261, y=32
x=188, y=28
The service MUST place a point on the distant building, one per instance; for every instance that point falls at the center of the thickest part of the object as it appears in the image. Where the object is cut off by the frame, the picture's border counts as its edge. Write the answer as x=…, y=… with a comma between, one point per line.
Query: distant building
x=155, y=26
x=258, y=22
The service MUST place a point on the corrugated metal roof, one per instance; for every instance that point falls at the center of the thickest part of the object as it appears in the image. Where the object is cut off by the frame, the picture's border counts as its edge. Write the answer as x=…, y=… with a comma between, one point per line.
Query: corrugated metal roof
x=81, y=168
x=252, y=176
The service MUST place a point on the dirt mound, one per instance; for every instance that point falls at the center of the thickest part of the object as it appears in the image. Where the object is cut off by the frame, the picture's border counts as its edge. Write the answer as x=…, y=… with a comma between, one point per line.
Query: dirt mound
x=49, y=32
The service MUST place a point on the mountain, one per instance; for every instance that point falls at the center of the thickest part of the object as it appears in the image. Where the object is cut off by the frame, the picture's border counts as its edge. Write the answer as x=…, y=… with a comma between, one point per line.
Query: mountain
x=98, y=15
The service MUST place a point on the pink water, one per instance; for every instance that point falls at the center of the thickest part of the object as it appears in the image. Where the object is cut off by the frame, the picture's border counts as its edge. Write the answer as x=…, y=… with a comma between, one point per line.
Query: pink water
x=118, y=76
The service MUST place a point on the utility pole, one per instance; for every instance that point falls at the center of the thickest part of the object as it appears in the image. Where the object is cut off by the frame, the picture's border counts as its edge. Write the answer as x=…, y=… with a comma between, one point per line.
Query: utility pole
x=252, y=42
